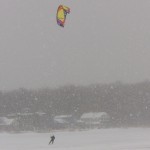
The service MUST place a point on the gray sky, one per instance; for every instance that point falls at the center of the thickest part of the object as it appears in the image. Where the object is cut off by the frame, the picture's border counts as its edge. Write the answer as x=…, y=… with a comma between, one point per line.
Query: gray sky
x=103, y=41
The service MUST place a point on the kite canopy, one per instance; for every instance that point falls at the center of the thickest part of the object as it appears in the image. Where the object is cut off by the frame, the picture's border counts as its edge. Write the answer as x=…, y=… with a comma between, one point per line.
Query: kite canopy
x=62, y=12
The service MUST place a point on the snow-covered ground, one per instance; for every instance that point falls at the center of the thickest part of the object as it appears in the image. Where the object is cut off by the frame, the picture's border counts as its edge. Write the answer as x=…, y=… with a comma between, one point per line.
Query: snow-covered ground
x=105, y=139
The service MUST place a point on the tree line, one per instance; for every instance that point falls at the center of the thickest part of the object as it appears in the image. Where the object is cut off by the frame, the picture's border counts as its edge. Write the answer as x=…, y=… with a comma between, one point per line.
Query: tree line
x=126, y=104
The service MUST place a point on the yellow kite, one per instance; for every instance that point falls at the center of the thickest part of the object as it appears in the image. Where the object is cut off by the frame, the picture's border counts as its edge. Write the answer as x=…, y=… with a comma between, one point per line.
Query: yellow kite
x=62, y=12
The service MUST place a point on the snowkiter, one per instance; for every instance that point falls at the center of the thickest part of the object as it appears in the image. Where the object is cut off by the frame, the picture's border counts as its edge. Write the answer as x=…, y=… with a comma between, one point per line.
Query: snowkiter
x=52, y=139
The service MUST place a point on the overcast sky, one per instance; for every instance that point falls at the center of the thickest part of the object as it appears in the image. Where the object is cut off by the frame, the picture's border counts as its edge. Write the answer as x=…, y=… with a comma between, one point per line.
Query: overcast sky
x=103, y=41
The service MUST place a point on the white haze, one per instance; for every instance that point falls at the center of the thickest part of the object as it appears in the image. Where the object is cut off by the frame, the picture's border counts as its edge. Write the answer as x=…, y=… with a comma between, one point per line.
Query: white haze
x=103, y=41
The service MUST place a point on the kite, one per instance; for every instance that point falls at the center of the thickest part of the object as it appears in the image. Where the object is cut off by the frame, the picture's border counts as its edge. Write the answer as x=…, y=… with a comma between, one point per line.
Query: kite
x=62, y=12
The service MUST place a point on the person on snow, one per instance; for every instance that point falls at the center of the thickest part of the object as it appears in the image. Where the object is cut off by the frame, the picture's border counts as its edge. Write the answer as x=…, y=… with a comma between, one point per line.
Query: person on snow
x=52, y=139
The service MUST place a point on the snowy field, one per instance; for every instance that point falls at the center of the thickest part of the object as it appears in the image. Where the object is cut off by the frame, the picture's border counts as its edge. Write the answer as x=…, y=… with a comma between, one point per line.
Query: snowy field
x=105, y=139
